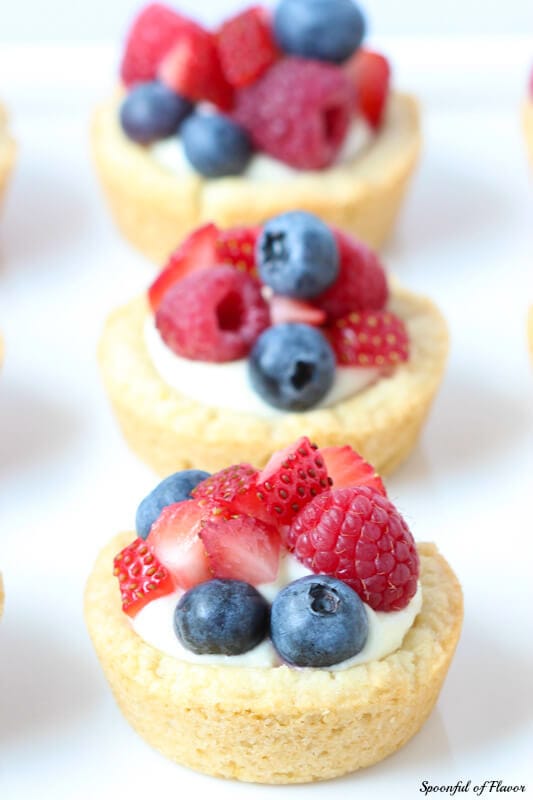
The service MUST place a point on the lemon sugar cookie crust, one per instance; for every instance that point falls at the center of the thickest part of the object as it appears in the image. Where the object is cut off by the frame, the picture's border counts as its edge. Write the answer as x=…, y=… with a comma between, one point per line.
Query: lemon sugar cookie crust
x=155, y=209
x=170, y=431
x=276, y=725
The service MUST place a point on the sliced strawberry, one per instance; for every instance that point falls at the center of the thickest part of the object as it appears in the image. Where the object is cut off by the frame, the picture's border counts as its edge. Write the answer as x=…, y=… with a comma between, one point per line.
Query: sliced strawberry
x=196, y=252
x=291, y=479
x=174, y=540
x=370, y=73
x=347, y=468
x=287, y=309
x=369, y=339
x=192, y=69
x=141, y=577
x=242, y=548
x=153, y=33
x=233, y=490
x=236, y=246
x=246, y=46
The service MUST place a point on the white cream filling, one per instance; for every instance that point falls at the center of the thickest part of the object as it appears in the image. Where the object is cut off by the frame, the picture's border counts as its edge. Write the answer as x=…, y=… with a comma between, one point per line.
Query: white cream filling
x=169, y=154
x=227, y=385
x=386, y=630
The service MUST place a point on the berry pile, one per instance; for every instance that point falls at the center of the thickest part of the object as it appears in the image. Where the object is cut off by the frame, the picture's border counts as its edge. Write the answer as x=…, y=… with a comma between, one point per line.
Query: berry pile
x=288, y=84
x=296, y=297
x=216, y=538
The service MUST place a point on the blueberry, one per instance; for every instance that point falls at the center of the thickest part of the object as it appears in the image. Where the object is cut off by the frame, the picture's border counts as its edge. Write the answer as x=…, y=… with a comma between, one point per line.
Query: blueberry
x=215, y=145
x=151, y=111
x=221, y=616
x=292, y=366
x=173, y=489
x=318, y=621
x=297, y=255
x=327, y=30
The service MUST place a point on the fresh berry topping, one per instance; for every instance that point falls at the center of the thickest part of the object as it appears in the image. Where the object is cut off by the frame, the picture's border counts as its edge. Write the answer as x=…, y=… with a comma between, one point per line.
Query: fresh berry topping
x=370, y=73
x=298, y=112
x=236, y=246
x=151, y=111
x=246, y=46
x=192, y=68
x=140, y=576
x=222, y=617
x=196, y=252
x=242, y=548
x=318, y=621
x=212, y=315
x=297, y=255
x=328, y=30
x=292, y=366
x=173, y=489
x=215, y=145
x=369, y=339
x=152, y=35
x=346, y=468
x=361, y=284
x=287, y=309
x=233, y=490
x=358, y=536
x=291, y=479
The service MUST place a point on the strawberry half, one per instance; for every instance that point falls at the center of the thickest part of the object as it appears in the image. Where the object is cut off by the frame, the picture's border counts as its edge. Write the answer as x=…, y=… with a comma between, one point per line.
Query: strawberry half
x=141, y=577
x=291, y=479
x=346, y=468
x=197, y=251
x=370, y=73
x=192, y=68
x=236, y=246
x=174, y=541
x=369, y=339
x=287, y=309
x=246, y=46
x=233, y=490
x=242, y=548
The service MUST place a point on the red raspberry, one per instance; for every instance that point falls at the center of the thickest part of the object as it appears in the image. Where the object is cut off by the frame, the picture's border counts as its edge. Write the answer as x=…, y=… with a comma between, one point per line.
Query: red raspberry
x=192, y=68
x=298, y=112
x=369, y=339
x=236, y=246
x=361, y=283
x=246, y=46
x=291, y=479
x=151, y=36
x=358, y=536
x=370, y=73
x=141, y=577
x=212, y=315
x=233, y=489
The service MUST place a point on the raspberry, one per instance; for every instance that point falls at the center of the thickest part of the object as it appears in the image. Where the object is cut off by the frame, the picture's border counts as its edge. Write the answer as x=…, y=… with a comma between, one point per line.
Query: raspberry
x=151, y=36
x=370, y=73
x=358, y=536
x=212, y=315
x=291, y=479
x=141, y=577
x=369, y=339
x=246, y=46
x=298, y=112
x=361, y=284
x=236, y=246
x=233, y=489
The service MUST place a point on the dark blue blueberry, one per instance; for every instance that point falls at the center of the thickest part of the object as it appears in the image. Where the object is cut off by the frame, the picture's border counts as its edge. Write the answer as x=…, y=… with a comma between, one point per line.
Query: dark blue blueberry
x=173, y=489
x=318, y=621
x=297, y=255
x=215, y=145
x=292, y=366
x=328, y=30
x=225, y=617
x=151, y=111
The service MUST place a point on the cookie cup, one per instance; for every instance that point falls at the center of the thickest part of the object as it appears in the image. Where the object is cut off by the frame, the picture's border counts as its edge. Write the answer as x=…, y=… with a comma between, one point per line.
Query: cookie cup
x=276, y=725
x=171, y=432
x=155, y=209
x=7, y=152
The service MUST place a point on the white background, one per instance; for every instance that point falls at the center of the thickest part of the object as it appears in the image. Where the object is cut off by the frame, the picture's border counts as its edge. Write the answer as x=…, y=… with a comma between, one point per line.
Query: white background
x=35, y=20
x=68, y=482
